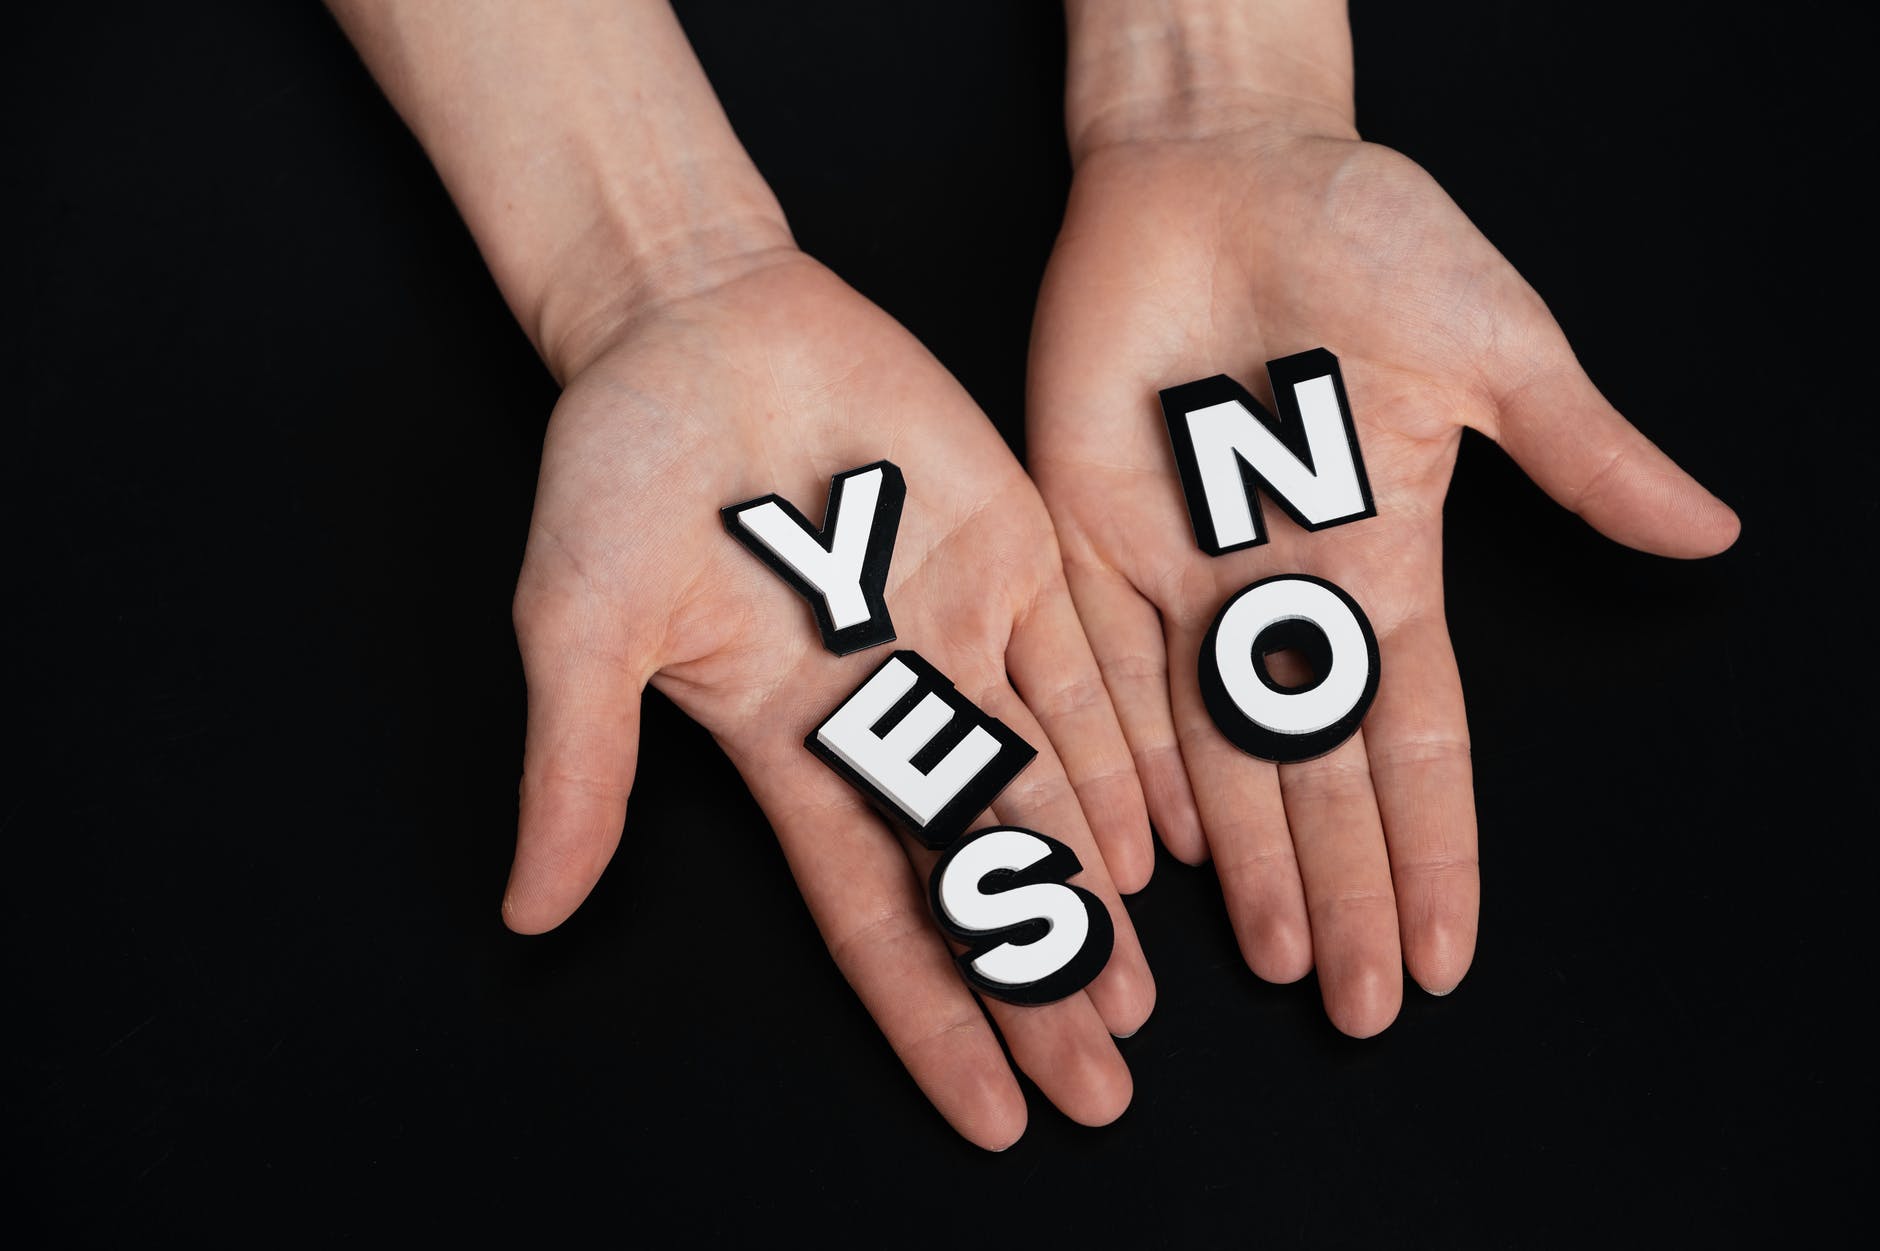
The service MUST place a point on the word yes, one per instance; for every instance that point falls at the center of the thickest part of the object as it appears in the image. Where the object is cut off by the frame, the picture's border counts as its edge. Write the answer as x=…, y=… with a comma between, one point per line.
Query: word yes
x=928, y=758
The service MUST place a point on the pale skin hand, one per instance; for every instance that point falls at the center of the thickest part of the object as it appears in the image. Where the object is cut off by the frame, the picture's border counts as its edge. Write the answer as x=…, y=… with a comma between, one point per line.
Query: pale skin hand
x=705, y=362
x=1208, y=237
x=776, y=380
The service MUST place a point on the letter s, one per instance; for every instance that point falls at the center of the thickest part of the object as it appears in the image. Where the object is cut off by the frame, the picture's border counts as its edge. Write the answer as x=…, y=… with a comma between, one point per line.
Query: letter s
x=1030, y=938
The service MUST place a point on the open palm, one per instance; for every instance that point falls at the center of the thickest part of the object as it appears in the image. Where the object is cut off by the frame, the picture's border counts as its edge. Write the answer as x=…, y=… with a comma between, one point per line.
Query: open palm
x=1179, y=259
x=774, y=381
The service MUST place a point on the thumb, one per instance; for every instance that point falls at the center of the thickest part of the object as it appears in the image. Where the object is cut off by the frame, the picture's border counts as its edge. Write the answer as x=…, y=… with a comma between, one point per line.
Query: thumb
x=1578, y=449
x=577, y=766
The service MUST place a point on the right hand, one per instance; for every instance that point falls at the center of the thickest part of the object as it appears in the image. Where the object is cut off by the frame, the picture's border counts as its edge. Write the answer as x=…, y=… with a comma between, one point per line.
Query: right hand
x=774, y=379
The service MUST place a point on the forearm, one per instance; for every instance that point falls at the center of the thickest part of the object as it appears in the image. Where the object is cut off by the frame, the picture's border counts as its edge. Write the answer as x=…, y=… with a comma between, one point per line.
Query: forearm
x=583, y=146
x=1170, y=69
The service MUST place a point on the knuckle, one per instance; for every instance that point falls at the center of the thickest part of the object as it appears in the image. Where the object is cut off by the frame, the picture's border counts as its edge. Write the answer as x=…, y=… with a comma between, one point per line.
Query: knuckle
x=1135, y=667
x=878, y=936
x=542, y=615
x=1329, y=780
x=1035, y=794
x=1442, y=866
x=588, y=785
x=1590, y=489
x=1258, y=862
x=1354, y=903
x=1079, y=695
x=1160, y=760
x=955, y=1026
x=1419, y=750
x=1105, y=779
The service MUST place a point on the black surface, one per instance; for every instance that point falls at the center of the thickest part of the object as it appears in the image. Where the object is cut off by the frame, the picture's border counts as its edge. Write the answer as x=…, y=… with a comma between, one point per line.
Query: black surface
x=268, y=462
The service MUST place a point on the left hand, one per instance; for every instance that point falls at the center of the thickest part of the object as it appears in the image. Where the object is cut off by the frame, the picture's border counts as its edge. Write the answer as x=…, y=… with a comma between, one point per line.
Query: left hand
x=1185, y=255
x=774, y=375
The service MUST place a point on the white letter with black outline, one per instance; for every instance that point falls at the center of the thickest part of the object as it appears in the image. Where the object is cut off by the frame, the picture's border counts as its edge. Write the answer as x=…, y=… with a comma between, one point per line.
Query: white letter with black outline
x=1030, y=937
x=841, y=569
x=1307, y=459
x=921, y=752
x=1279, y=723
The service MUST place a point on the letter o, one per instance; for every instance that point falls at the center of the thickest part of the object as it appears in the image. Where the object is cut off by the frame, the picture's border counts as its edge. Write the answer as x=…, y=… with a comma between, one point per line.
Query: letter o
x=1258, y=715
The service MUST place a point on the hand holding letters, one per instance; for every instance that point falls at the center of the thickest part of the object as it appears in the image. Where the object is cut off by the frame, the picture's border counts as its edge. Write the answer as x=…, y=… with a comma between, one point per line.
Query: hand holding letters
x=1256, y=226
x=629, y=579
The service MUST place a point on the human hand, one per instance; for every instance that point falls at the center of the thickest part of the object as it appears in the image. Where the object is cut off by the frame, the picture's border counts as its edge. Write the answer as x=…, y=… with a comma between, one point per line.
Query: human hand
x=706, y=362
x=1223, y=215
x=773, y=377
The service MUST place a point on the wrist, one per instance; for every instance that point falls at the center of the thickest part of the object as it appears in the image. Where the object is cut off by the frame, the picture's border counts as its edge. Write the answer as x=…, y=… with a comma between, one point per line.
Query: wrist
x=1173, y=70
x=642, y=245
x=584, y=148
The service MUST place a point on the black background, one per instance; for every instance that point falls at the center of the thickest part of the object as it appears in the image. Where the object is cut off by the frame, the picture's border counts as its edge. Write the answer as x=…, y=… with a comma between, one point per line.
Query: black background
x=270, y=446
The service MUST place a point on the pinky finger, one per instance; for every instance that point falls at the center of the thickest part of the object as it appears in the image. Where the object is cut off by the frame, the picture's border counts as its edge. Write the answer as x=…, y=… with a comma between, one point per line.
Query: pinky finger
x=1125, y=633
x=868, y=902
